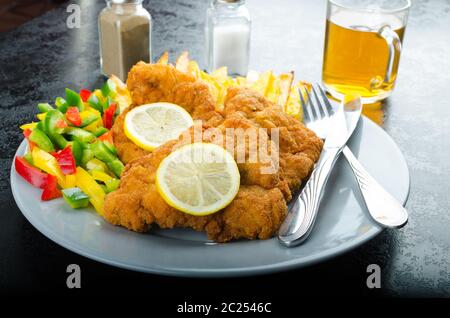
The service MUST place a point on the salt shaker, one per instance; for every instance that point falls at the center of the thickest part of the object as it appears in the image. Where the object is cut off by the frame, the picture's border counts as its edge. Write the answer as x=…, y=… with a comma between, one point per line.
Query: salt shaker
x=125, y=32
x=227, y=36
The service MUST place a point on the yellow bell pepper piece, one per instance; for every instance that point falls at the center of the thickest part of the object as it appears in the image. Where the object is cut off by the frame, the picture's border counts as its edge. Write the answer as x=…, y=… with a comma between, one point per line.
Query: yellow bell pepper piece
x=46, y=162
x=41, y=116
x=99, y=95
x=93, y=126
x=89, y=111
x=101, y=176
x=28, y=126
x=88, y=185
x=71, y=181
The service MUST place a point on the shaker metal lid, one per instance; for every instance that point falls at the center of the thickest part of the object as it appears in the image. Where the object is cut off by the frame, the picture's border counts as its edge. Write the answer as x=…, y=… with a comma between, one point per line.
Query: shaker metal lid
x=230, y=1
x=125, y=1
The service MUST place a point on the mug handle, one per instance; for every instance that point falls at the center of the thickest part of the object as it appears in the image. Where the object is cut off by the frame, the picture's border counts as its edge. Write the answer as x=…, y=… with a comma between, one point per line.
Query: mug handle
x=395, y=48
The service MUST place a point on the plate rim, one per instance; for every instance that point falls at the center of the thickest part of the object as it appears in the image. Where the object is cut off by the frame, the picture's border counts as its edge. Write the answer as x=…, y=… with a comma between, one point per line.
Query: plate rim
x=294, y=263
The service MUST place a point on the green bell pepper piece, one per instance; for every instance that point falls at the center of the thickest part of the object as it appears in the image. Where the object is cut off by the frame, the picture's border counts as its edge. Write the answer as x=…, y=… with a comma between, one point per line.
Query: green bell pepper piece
x=52, y=131
x=77, y=151
x=95, y=164
x=79, y=134
x=74, y=99
x=50, y=122
x=87, y=156
x=75, y=198
x=112, y=185
x=109, y=88
x=102, y=152
x=29, y=158
x=40, y=125
x=100, y=131
x=41, y=140
x=44, y=107
x=116, y=166
x=111, y=148
x=108, y=101
x=89, y=120
x=61, y=104
x=95, y=103
x=60, y=141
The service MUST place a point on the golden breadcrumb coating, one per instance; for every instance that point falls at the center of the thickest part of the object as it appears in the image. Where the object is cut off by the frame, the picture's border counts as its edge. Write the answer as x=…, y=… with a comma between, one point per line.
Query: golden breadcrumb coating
x=261, y=203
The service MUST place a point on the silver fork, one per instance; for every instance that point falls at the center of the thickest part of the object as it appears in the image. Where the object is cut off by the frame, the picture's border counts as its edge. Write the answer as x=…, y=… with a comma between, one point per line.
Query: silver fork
x=383, y=208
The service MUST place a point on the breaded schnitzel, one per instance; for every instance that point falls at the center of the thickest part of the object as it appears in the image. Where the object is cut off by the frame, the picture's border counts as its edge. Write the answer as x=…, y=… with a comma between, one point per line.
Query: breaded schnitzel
x=261, y=203
x=151, y=83
x=256, y=212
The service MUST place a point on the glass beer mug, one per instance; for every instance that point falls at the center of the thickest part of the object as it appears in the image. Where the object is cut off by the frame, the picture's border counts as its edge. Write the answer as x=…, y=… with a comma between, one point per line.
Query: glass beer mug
x=363, y=43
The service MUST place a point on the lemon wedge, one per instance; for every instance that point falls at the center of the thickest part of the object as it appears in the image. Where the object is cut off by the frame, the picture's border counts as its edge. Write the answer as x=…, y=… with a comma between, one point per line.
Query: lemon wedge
x=151, y=125
x=198, y=179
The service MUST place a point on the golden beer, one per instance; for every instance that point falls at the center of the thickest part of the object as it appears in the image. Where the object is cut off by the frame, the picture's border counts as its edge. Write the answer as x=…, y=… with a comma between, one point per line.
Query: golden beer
x=355, y=61
x=363, y=44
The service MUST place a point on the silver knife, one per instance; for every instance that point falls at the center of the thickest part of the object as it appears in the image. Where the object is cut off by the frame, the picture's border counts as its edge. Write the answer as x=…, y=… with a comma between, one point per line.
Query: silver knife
x=301, y=217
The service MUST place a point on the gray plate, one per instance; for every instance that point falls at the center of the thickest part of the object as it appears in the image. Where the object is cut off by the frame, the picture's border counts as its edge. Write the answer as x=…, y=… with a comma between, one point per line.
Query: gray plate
x=342, y=224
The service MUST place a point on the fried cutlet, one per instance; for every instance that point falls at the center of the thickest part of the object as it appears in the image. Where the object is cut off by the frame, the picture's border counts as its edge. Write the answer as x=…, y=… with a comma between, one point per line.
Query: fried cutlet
x=151, y=83
x=256, y=211
x=266, y=186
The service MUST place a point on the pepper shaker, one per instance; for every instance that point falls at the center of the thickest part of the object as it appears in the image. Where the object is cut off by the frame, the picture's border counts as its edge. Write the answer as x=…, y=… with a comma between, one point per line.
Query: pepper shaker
x=125, y=32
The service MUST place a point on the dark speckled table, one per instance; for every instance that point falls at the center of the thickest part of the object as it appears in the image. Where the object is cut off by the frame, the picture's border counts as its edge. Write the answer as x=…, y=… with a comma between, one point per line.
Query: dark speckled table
x=41, y=58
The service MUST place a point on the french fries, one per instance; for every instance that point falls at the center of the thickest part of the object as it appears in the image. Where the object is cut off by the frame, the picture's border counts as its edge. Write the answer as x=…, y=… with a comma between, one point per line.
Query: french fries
x=182, y=63
x=279, y=89
x=214, y=86
x=194, y=69
x=164, y=59
x=273, y=89
x=241, y=81
x=285, y=84
x=123, y=96
x=221, y=74
x=293, y=106
x=263, y=83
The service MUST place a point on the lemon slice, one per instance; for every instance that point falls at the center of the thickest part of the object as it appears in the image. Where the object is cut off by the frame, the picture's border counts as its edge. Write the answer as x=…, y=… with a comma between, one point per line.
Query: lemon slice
x=151, y=125
x=198, y=179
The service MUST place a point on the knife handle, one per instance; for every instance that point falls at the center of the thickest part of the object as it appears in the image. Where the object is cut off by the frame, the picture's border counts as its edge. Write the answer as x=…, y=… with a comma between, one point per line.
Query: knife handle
x=301, y=216
x=382, y=206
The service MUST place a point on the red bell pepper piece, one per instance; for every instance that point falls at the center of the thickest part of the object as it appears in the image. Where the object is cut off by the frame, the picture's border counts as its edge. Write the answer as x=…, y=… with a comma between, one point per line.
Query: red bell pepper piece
x=51, y=190
x=85, y=94
x=73, y=116
x=66, y=160
x=108, y=137
x=27, y=133
x=31, y=174
x=61, y=123
x=108, y=116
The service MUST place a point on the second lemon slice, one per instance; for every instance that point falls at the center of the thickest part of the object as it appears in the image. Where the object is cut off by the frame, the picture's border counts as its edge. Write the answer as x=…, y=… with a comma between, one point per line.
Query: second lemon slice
x=151, y=125
x=198, y=179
